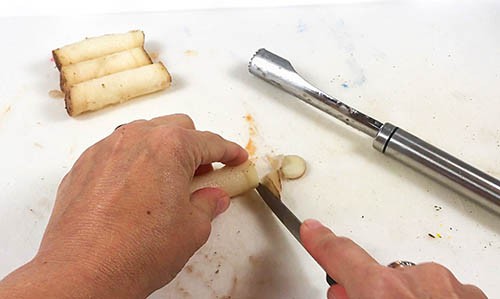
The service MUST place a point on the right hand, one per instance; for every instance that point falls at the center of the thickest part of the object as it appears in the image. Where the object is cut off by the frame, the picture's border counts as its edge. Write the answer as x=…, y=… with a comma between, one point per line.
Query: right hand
x=359, y=276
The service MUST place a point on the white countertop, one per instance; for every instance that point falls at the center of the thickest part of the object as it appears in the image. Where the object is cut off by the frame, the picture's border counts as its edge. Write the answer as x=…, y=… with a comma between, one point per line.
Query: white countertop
x=432, y=69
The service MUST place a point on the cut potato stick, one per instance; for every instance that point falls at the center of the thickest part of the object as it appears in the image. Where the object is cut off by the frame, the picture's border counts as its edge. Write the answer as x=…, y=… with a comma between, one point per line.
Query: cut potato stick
x=116, y=88
x=233, y=180
x=292, y=167
x=102, y=66
x=94, y=47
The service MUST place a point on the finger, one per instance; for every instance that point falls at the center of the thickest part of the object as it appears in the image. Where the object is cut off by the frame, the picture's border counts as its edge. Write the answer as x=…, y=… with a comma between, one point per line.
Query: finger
x=471, y=291
x=181, y=120
x=337, y=292
x=212, y=201
x=208, y=147
x=203, y=169
x=341, y=258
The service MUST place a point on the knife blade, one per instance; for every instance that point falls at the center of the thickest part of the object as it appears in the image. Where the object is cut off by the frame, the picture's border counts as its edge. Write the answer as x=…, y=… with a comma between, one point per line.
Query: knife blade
x=287, y=217
x=291, y=222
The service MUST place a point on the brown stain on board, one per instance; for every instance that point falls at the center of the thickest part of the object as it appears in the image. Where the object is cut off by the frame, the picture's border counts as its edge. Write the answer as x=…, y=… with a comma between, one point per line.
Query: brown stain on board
x=252, y=132
x=154, y=56
x=191, y=53
x=4, y=111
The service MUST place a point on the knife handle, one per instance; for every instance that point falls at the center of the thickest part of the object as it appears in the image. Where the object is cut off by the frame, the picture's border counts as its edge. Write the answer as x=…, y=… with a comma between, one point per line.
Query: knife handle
x=330, y=280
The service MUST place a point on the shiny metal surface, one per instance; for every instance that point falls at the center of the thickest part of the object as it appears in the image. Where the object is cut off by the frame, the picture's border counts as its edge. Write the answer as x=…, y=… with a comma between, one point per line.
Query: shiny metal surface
x=388, y=138
x=445, y=168
x=291, y=222
x=401, y=264
x=280, y=72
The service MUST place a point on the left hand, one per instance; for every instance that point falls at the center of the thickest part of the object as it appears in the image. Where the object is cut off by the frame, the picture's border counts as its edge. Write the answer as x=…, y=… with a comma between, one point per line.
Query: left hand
x=124, y=222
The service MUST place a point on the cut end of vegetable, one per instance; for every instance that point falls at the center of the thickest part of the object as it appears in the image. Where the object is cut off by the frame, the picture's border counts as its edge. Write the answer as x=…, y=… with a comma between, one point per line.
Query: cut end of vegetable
x=292, y=167
x=273, y=182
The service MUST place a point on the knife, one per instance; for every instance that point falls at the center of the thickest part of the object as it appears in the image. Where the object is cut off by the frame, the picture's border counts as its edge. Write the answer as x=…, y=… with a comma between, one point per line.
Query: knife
x=289, y=220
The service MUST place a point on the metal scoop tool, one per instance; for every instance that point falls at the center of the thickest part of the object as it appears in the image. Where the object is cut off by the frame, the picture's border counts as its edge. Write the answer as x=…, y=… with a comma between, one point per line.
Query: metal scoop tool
x=387, y=138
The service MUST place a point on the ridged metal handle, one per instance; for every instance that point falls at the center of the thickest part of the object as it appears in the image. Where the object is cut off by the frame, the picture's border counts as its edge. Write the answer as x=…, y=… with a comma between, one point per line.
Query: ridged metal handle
x=460, y=176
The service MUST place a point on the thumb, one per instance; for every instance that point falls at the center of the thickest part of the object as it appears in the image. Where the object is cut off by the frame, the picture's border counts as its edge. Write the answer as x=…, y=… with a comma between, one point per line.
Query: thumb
x=211, y=201
x=341, y=258
x=337, y=292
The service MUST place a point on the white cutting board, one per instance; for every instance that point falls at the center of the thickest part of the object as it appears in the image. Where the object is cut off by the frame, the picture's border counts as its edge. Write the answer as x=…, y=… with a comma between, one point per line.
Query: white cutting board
x=432, y=69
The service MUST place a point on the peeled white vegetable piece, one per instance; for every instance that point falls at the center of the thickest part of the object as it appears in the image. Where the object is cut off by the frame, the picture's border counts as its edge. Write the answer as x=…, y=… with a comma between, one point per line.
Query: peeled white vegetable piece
x=234, y=180
x=102, y=66
x=116, y=88
x=273, y=182
x=94, y=47
x=292, y=167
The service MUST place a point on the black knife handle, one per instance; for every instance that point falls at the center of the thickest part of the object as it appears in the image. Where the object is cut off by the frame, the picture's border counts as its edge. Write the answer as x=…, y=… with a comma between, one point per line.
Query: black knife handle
x=330, y=280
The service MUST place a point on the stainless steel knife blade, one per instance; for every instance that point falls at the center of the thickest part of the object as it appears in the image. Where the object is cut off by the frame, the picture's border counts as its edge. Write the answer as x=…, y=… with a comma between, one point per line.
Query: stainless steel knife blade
x=287, y=217
x=291, y=222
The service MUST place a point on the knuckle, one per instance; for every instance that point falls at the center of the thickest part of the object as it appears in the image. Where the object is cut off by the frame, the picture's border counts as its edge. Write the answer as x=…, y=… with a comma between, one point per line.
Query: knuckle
x=341, y=242
x=201, y=233
x=472, y=289
x=131, y=125
x=329, y=245
x=388, y=282
x=442, y=273
x=175, y=143
x=174, y=138
x=185, y=118
x=438, y=270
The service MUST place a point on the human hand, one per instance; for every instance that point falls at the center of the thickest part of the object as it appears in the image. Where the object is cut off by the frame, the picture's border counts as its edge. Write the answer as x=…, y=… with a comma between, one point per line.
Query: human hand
x=124, y=222
x=359, y=276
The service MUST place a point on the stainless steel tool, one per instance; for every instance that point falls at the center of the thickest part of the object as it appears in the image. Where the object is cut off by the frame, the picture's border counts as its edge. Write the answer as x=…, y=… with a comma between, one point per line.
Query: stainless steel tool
x=388, y=138
x=291, y=222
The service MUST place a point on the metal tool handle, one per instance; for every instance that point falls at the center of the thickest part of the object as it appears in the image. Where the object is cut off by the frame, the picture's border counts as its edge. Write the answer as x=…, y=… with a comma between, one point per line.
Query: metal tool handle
x=460, y=176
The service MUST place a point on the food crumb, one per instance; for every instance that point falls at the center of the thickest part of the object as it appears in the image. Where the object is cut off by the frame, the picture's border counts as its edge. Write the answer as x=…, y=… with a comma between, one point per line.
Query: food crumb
x=154, y=55
x=439, y=236
x=56, y=94
x=191, y=53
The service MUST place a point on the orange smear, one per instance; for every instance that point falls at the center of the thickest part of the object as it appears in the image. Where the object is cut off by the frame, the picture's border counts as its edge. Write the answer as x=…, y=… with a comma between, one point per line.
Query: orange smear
x=252, y=131
x=250, y=147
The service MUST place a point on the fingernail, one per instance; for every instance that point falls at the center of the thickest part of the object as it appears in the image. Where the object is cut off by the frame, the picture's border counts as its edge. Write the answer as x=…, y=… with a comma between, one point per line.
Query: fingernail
x=312, y=224
x=222, y=205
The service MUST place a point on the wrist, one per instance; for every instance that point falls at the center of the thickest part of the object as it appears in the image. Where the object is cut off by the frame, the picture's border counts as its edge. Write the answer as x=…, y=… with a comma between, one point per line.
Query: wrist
x=43, y=278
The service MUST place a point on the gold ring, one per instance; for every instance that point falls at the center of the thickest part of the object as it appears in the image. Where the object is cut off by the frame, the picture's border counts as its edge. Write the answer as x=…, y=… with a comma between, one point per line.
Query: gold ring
x=401, y=264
